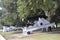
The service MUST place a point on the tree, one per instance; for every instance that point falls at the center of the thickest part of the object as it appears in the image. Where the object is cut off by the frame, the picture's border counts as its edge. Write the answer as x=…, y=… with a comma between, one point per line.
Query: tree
x=56, y=17
x=10, y=5
x=21, y=9
x=48, y=6
x=9, y=19
x=11, y=15
x=29, y=7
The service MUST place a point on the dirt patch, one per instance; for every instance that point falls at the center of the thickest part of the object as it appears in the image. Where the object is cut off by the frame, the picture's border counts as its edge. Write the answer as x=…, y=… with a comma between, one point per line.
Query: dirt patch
x=18, y=37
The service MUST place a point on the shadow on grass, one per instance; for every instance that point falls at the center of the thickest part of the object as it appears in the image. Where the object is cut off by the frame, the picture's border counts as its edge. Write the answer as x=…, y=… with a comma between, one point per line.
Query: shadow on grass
x=17, y=32
x=54, y=31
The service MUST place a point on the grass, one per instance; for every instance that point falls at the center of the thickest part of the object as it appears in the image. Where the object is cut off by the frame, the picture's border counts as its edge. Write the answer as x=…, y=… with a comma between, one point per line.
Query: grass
x=47, y=37
x=44, y=36
x=37, y=35
x=9, y=33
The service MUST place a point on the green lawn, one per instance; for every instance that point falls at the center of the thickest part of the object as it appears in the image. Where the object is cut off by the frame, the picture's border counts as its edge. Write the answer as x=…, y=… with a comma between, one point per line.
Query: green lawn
x=35, y=36
x=9, y=33
x=44, y=36
x=47, y=37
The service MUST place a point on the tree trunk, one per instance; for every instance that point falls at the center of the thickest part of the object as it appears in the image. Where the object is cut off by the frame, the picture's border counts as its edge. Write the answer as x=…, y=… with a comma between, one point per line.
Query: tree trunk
x=48, y=14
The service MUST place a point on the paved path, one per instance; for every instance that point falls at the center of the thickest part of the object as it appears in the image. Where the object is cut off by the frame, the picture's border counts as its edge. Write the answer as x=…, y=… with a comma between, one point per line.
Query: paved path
x=2, y=38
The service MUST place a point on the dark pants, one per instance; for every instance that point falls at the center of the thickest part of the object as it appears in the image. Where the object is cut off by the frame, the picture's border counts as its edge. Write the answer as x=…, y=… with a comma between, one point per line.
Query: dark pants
x=49, y=29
